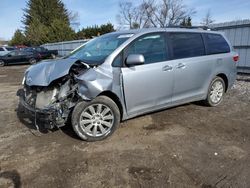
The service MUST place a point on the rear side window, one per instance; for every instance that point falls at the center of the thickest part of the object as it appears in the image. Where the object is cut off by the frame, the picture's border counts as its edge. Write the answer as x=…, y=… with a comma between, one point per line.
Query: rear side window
x=39, y=49
x=152, y=46
x=187, y=45
x=216, y=44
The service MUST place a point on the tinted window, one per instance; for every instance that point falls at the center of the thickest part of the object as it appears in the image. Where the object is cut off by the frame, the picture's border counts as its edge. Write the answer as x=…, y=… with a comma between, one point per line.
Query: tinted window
x=40, y=49
x=187, y=45
x=28, y=53
x=14, y=53
x=216, y=44
x=24, y=53
x=1, y=49
x=28, y=49
x=152, y=46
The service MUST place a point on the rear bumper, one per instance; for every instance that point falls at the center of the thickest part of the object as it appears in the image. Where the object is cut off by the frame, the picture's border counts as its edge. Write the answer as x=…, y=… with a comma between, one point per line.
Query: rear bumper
x=45, y=117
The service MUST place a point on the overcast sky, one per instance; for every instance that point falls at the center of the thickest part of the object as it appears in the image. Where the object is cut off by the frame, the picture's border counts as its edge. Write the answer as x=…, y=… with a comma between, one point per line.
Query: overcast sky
x=93, y=12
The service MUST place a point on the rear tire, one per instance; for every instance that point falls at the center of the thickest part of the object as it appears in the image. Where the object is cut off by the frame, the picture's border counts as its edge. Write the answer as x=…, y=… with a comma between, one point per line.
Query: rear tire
x=2, y=63
x=32, y=61
x=53, y=56
x=95, y=120
x=216, y=92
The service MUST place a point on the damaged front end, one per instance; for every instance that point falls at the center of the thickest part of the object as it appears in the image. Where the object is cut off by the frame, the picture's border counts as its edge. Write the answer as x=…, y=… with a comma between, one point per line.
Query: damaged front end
x=50, y=100
x=51, y=105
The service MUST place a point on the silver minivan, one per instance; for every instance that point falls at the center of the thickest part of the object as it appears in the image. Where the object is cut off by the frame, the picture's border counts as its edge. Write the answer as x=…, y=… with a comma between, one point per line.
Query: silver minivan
x=124, y=74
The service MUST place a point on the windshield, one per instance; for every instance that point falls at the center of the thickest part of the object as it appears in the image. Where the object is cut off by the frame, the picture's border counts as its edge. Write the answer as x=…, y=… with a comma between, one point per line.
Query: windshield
x=97, y=50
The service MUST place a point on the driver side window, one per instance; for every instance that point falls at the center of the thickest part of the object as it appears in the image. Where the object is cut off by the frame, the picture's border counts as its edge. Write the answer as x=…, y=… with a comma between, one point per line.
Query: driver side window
x=152, y=46
x=13, y=53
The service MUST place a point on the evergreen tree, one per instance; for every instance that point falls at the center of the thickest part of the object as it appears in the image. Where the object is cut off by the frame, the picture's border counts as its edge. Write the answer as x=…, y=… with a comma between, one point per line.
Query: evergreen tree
x=189, y=21
x=60, y=31
x=46, y=21
x=186, y=22
x=37, y=33
x=18, y=38
x=95, y=30
x=183, y=23
x=106, y=28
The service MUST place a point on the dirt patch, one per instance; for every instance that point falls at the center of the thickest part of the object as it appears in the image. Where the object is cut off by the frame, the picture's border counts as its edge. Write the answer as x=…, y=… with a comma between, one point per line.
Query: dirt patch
x=186, y=146
x=144, y=173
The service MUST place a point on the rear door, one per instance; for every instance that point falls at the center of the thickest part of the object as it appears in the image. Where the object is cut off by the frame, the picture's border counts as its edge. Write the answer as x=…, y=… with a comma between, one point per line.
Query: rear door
x=26, y=56
x=192, y=69
x=221, y=56
x=149, y=86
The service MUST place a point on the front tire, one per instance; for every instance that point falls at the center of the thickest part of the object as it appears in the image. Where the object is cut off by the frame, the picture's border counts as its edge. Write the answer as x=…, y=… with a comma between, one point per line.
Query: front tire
x=2, y=63
x=95, y=120
x=216, y=92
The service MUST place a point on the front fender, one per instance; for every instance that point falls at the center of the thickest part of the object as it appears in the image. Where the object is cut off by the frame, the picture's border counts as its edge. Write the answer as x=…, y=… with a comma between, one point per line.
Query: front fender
x=92, y=83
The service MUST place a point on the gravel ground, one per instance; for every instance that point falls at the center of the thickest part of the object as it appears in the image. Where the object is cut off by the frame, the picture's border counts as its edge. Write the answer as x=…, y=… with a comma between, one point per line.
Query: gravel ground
x=186, y=146
x=243, y=85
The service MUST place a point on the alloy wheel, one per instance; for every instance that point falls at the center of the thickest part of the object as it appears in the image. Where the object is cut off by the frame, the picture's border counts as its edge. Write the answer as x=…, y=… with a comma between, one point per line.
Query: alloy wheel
x=32, y=61
x=216, y=92
x=96, y=120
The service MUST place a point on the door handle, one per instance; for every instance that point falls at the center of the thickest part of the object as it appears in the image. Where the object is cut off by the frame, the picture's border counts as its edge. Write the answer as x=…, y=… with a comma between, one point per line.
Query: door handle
x=181, y=65
x=167, y=68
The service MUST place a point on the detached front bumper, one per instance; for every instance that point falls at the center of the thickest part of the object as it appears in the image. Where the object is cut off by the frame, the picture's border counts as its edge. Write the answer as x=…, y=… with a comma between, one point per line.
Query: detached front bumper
x=48, y=118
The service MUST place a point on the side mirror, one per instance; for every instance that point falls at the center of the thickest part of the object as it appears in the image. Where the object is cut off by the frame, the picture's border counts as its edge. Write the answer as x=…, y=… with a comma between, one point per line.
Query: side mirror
x=135, y=59
x=9, y=55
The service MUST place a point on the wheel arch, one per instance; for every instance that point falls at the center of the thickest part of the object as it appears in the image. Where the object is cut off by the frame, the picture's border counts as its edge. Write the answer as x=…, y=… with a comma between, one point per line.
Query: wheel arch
x=115, y=98
x=225, y=79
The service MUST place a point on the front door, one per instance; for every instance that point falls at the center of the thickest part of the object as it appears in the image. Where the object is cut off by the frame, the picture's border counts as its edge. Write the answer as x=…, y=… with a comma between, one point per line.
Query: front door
x=148, y=87
x=13, y=57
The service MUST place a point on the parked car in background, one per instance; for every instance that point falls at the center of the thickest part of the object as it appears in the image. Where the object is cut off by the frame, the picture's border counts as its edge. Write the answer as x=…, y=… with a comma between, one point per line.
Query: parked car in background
x=45, y=53
x=5, y=49
x=19, y=57
x=20, y=47
x=121, y=75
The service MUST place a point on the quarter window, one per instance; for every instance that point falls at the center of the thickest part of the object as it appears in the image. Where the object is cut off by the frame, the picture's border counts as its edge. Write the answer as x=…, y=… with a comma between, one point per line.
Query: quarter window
x=117, y=61
x=152, y=46
x=216, y=44
x=187, y=45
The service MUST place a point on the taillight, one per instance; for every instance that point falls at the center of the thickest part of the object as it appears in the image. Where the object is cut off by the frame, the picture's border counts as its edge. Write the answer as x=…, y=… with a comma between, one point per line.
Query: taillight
x=236, y=58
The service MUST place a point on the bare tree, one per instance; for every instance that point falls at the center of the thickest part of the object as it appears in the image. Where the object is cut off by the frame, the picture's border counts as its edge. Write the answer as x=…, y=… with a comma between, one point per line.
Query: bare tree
x=207, y=20
x=132, y=16
x=74, y=20
x=167, y=12
x=126, y=15
x=153, y=13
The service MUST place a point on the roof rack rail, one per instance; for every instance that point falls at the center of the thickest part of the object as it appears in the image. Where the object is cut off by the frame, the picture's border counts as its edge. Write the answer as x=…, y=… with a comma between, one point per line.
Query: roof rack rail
x=190, y=27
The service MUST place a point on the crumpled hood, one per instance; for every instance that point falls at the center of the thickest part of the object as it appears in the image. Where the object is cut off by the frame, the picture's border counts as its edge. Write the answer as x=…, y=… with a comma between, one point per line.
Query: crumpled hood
x=42, y=74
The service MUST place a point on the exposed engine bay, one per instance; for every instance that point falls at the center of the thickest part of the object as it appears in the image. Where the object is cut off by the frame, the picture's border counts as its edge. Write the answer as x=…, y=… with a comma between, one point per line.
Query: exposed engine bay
x=56, y=100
